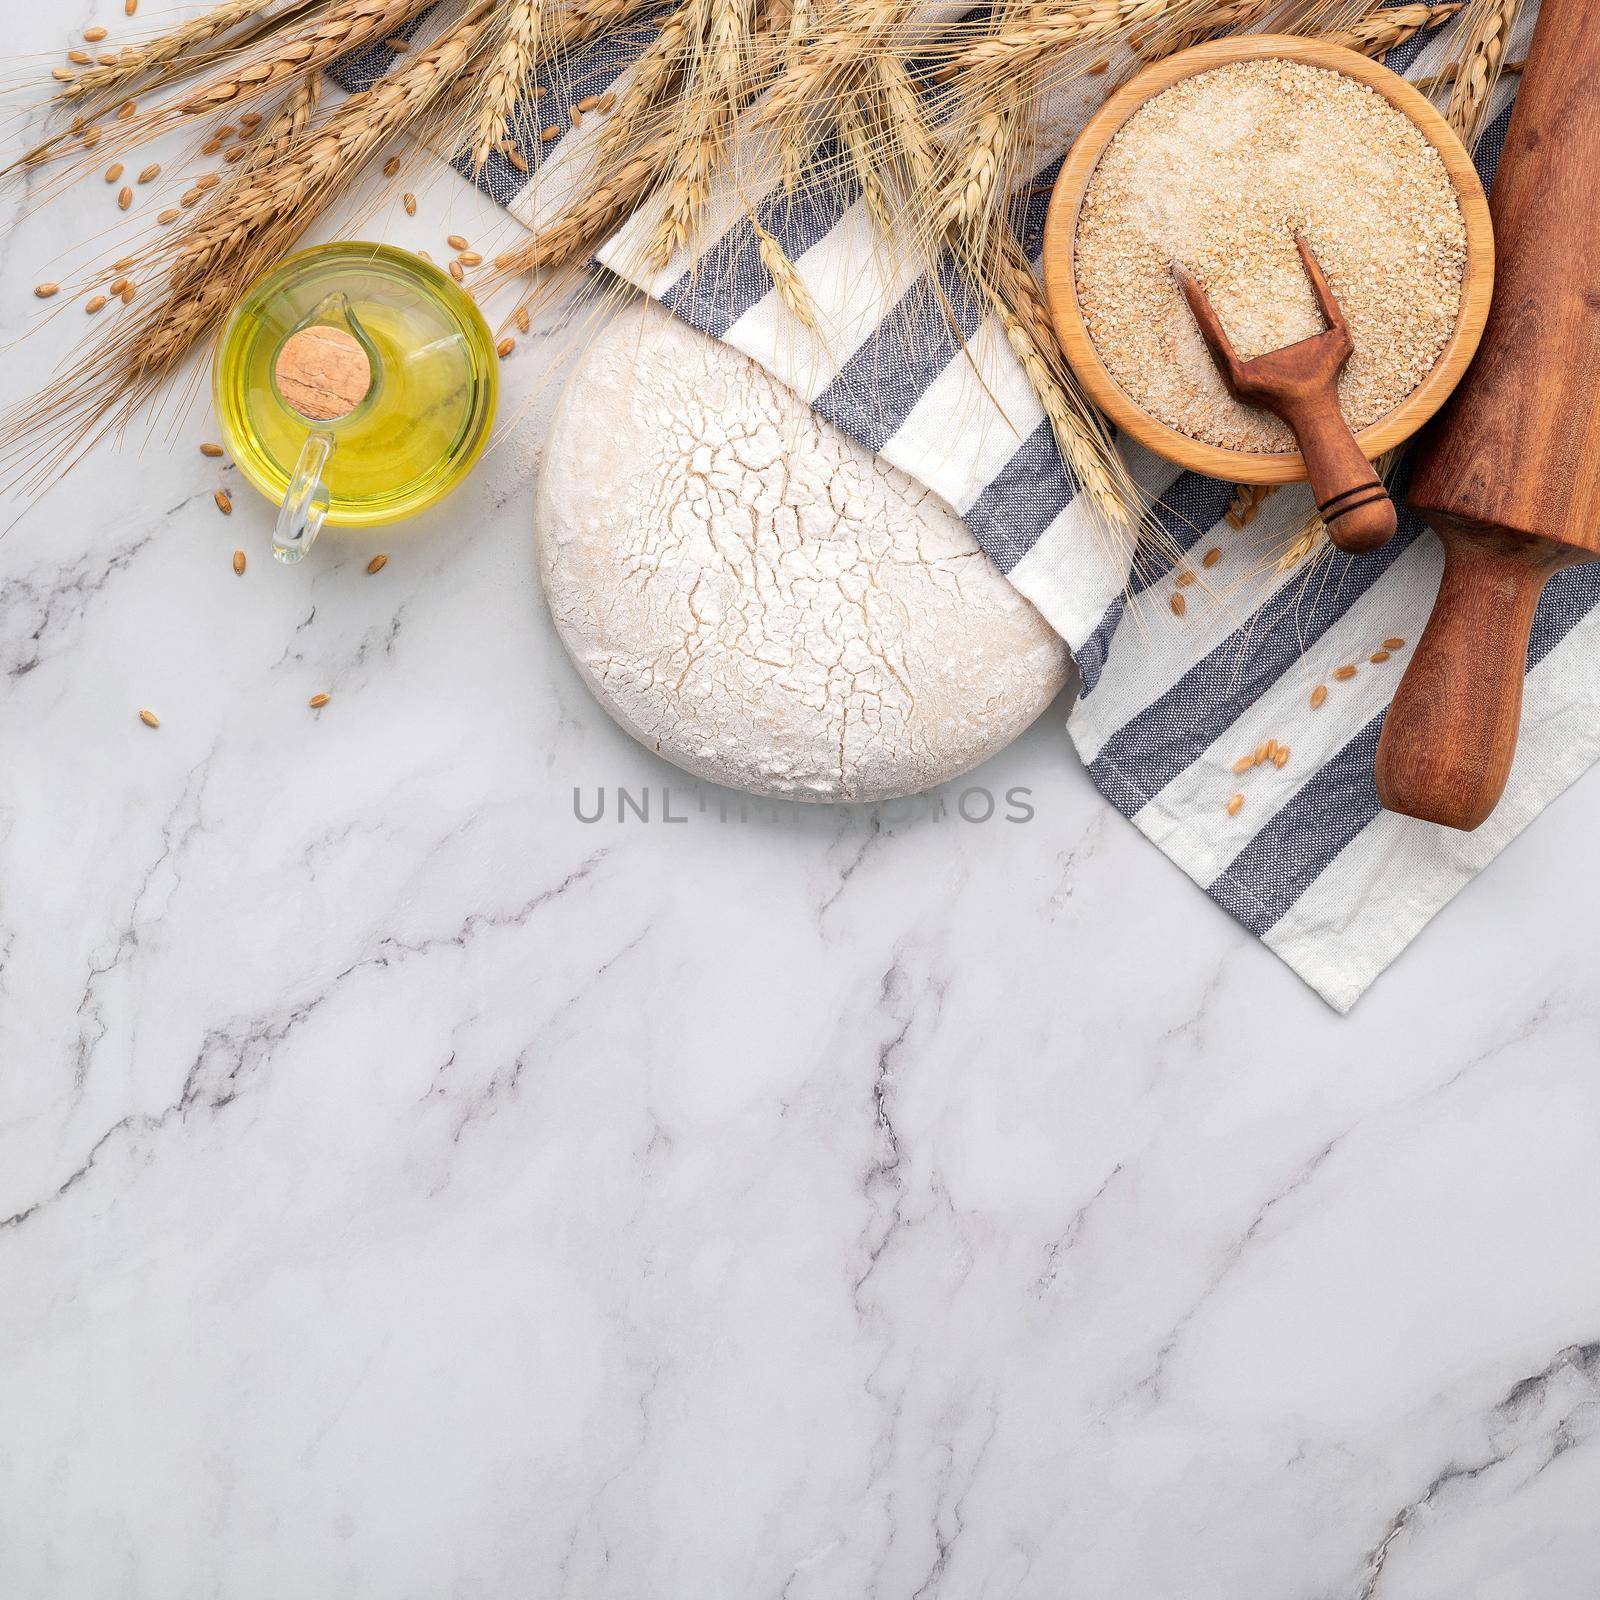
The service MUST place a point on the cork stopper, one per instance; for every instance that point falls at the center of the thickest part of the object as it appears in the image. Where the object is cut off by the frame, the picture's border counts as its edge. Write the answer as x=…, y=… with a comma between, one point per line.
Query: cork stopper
x=323, y=372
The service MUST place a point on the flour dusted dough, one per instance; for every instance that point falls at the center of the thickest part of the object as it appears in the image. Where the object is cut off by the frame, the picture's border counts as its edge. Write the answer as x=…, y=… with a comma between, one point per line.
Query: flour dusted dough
x=754, y=596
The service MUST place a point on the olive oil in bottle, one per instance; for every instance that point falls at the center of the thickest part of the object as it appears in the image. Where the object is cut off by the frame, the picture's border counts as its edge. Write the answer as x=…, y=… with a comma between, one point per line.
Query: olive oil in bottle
x=354, y=384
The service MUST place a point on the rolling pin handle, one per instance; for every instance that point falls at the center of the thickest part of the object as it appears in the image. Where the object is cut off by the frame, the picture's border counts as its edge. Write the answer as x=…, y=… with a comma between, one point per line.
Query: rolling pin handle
x=1447, y=743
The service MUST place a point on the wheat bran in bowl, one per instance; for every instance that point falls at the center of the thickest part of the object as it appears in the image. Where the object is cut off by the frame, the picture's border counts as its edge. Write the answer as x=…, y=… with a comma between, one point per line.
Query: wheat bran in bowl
x=1218, y=171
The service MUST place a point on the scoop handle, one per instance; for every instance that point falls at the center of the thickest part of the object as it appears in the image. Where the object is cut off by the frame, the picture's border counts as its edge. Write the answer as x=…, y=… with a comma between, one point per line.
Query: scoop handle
x=1354, y=503
x=1447, y=742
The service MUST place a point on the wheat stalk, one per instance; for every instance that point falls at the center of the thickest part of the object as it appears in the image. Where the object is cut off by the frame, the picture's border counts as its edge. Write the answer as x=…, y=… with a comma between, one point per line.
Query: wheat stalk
x=1385, y=27
x=513, y=62
x=785, y=277
x=1014, y=296
x=864, y=162
x=657, y=71
x=348, y=25
x=1451, y=70
x=906, y=138
x=134, y=61
x=970, y=192
x=583, y=224
x=1042, y=34
x=851, y=35
x=1486, y=31
x=321, y=159
x=1224, y=18
x=275, y=136
x=712, y=105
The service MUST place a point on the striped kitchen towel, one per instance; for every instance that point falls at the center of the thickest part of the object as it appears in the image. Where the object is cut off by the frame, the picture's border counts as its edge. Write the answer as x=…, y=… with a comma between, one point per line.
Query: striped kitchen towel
x=1312, y=865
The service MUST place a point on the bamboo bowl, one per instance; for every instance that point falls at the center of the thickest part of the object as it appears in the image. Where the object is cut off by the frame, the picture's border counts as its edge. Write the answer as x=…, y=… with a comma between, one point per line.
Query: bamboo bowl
x=1060, y=277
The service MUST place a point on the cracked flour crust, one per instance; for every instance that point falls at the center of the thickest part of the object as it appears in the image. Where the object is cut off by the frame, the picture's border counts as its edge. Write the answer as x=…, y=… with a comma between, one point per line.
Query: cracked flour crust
x=758, y=599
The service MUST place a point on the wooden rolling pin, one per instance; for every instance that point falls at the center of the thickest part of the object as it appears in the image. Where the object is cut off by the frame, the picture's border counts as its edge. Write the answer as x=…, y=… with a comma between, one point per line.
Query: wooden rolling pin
x=1509, y=474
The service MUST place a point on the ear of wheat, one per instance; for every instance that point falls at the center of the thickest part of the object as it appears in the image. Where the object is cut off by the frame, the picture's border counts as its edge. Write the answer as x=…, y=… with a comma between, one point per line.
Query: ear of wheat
x=1485, y=33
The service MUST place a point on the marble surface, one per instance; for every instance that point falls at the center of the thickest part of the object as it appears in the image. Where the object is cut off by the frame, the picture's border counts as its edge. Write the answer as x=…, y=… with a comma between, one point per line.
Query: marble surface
x=409, y=1189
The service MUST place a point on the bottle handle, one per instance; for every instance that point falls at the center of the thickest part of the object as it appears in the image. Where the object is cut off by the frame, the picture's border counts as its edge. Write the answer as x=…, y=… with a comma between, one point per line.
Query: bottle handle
x=305, y=503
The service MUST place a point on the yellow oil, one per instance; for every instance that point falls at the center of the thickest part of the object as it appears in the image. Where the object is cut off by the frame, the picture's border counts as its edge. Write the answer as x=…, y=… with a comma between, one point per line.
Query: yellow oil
x=432, y=405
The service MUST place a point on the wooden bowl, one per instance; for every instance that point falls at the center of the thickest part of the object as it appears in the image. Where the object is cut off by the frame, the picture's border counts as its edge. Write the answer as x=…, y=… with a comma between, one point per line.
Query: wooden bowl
x=1060, y=278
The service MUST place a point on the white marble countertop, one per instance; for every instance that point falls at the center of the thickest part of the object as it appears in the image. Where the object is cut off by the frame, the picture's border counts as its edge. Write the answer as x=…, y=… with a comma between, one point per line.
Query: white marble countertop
x=410, y=1190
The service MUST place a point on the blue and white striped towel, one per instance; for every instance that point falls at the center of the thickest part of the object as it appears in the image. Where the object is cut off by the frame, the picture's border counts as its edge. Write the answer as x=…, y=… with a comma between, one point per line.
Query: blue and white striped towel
x=1312, y=865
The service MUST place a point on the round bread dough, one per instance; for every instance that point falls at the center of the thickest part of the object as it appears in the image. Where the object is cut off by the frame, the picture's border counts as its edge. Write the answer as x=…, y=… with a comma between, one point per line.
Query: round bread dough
x=760, y=600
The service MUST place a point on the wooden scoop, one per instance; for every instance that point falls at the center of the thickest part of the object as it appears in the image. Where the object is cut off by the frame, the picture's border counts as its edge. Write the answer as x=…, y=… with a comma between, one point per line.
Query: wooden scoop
x=1300, y=384
x=1509, y=477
